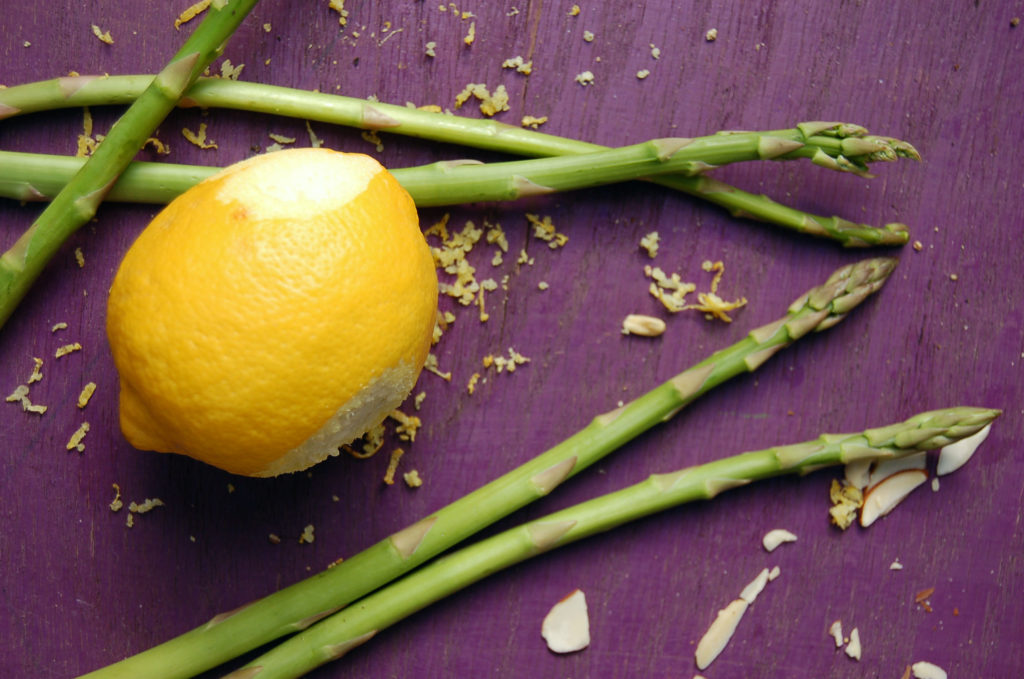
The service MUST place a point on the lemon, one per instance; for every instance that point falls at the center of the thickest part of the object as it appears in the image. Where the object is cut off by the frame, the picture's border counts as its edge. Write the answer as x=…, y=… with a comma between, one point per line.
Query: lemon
x=273, y=312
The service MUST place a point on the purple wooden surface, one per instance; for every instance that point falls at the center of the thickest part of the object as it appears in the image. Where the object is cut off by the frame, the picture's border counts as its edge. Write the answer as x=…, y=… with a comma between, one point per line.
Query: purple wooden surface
x=80, y=589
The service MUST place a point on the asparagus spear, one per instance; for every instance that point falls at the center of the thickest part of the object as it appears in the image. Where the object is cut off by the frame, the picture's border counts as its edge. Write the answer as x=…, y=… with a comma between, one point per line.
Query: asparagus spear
x=30, y=176
x=300, y=605
x=484, y=134
x=739, y=203
x=74, y=91
x=334, y=636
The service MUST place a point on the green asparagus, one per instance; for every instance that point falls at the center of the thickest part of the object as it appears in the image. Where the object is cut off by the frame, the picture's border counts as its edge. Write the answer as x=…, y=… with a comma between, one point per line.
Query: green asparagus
x=31, y=176
x=334, y=636
x=300, y=605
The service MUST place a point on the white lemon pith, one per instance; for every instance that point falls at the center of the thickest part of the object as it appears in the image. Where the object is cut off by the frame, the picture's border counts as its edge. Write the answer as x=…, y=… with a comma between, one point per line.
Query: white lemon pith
x=273, y=312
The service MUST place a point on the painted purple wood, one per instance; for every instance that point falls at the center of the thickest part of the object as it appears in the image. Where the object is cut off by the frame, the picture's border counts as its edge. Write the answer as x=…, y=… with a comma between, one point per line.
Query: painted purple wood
x=80, y=589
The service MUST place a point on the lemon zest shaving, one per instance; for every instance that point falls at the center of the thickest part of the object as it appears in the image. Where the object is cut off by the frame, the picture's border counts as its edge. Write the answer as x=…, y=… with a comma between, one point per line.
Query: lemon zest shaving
x=339, y=7
x=408, y=425
x=86, y=142
x=103, y=36
x=389, y=475
x=158, y=146
x=490, y=104
x=86, y=394
x=373, y=137
x=546, y=231
x=432, y=366
x=709, y=302
x=37, y=374
x=75, y=442
x=116, y=504
x=191, y=13
x=67, y=349
x=20, y=395
x=199, y=138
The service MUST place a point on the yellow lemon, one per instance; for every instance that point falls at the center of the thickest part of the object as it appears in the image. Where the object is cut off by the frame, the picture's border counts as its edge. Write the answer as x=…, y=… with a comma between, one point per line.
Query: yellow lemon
x=273, y=312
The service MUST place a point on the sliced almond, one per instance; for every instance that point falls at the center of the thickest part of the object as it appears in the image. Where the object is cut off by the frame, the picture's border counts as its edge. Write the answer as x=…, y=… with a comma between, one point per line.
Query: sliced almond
x=836, y=630
x=645, y=326
x=774, y=573
x=858, y=472
x=881, y=498
x=853, y=648
x=886, y=468
x=926, y=670
x=566, y=627
x=719, y=633
x=955, y=455
x=756, y=586
x=774, y=538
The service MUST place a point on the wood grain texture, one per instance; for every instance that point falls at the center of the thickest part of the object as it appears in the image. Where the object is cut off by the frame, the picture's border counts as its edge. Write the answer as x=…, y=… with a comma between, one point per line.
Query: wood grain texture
x=80, y=589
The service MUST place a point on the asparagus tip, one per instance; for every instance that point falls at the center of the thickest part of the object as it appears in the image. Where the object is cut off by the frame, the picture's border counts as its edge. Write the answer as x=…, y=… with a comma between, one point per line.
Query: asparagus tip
x=937, y=428
x=847, y=287
x=859, y=235
x=887, y=149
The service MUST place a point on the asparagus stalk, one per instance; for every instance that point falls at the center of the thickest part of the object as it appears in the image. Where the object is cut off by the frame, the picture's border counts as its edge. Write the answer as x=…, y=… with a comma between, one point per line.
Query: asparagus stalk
x=29, y=176
x=300, y=605
x=484, y=134
x=739, y=203
x=334, y=636
x=78, y=201
x=75, y=91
